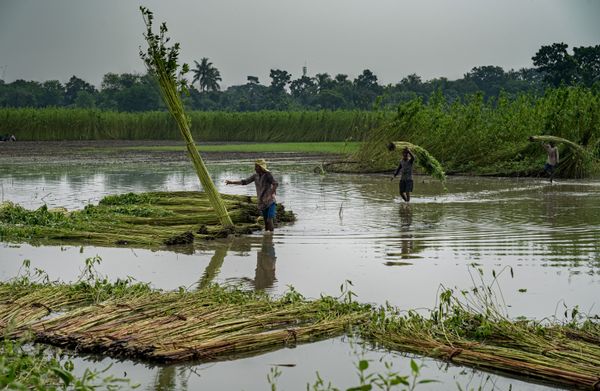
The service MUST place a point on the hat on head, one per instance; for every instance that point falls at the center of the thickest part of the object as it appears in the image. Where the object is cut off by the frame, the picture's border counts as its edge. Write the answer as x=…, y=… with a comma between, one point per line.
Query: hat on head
x=262, y=163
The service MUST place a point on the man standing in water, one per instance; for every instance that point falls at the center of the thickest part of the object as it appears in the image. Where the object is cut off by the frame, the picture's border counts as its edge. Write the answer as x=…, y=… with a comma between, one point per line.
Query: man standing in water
x=266, y=187
x=405, y=167
x=553, y=159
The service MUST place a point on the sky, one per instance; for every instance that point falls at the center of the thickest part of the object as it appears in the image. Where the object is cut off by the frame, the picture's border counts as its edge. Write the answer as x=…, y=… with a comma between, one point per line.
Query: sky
x=55, y=39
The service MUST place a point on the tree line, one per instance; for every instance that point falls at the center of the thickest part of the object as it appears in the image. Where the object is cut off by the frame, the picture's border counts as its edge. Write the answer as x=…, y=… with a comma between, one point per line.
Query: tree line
x=554, y=65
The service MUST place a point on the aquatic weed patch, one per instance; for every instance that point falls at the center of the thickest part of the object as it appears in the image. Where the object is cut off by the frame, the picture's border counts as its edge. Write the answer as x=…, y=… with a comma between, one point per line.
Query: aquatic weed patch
x=23, y=367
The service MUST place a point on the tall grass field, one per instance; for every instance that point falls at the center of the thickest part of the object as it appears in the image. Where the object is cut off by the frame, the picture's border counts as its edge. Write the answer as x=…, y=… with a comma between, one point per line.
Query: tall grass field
x=273, y=126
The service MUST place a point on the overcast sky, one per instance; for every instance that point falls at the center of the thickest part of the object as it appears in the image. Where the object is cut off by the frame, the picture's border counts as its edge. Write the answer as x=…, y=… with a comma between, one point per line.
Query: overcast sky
x=54, y=39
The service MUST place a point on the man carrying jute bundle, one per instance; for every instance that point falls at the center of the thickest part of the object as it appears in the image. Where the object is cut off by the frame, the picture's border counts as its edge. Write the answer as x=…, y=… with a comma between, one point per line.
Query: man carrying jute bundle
x=552, y=160
x=405, y=167
x=266, y=188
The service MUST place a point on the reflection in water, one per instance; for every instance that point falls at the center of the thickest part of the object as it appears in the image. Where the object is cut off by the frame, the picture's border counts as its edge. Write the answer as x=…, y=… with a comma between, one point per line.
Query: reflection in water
x=264, y=274
x=408, y=246
x=406, y=217
x=214, y=266
x=166, y=378
x=406, y=239
x=265, y=264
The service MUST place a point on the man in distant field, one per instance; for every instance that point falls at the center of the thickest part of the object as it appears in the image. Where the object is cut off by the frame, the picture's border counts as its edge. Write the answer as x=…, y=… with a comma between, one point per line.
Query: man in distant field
x=266, y=188
x=405, y=168
x=553, y=159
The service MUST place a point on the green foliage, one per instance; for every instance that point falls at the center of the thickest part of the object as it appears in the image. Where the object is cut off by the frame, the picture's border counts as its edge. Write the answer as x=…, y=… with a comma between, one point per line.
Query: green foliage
x=127, y=199
x=368, y=380
x=24, y=368
x=559, y=67
x=489, y=138
x=17, y=215
x=207, y=76
x=272, y=126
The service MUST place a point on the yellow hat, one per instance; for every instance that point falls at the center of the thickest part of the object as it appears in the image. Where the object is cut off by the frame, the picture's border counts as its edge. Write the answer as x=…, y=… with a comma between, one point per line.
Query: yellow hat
x=262, y=163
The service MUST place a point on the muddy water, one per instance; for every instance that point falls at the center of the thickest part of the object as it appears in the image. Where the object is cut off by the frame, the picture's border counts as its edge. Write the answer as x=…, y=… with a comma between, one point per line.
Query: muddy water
x=350, y=227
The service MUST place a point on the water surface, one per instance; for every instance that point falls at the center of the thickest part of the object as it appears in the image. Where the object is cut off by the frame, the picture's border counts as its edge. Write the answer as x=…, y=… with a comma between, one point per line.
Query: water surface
x=349, y=227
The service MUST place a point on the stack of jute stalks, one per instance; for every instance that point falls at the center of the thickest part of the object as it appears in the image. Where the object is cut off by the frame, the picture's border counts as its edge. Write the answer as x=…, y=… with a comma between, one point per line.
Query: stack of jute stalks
x=560, y=353
x=134, y=321
x=149, y=220
x=207, y=324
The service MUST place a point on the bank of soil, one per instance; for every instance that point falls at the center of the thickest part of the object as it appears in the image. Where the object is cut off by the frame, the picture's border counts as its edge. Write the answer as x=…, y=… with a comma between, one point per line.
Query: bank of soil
x=92, y=152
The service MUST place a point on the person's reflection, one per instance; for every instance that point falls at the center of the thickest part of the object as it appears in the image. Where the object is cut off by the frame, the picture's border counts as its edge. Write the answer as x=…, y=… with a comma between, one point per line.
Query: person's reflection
x=405, y=217
x=265, y=264
x=406, y=239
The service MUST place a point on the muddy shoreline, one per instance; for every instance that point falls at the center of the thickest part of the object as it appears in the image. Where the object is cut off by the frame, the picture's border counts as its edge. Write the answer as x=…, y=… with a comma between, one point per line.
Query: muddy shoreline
x=119, y=152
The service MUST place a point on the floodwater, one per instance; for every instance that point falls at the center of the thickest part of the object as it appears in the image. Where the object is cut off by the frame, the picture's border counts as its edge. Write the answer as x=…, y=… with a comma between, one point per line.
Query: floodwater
x=349, y=227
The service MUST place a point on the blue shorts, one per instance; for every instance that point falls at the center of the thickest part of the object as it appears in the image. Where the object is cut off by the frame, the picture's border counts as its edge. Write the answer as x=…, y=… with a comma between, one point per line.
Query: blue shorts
x=269, y=212
x=549, y=168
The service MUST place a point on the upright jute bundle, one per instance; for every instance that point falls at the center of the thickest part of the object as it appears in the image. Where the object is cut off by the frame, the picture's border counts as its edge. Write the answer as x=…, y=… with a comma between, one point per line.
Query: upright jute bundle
x=161, y=62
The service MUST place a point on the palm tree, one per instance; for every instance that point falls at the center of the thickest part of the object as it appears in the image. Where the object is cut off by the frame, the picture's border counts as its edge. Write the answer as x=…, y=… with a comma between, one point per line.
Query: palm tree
x=206, y=75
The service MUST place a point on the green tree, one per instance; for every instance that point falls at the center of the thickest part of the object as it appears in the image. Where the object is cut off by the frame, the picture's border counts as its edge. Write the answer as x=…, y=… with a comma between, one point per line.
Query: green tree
x=556, y=64
x=279, y=80
x=489, y=79
x=21, y=93
x=341, y=78
x=76, y=85
x=588, y=64
x=366, y=80
x=303, y=89
x=207, y=76
x=366, y=89
x=52, y=94
x=324, y=81
x=129, y=92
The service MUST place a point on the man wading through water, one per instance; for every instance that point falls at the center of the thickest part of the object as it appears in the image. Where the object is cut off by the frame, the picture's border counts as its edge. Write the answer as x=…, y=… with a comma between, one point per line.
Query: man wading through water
x=553, y=159
x=405, y=167
x=266, y=187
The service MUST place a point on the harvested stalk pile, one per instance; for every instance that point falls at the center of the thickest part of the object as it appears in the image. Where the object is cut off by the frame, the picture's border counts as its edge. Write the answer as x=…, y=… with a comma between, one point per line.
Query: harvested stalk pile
x=149, y=220
x=131, y=320
x=207, y=324
x=424, y=159
x=575, y=160
x=565, y=354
